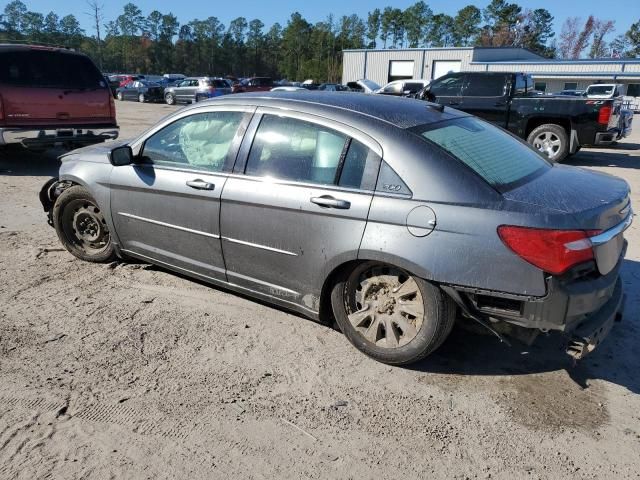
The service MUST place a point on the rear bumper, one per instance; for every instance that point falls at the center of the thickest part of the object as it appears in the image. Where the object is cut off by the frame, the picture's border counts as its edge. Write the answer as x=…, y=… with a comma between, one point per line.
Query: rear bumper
x=49, y=136
x=608, y=137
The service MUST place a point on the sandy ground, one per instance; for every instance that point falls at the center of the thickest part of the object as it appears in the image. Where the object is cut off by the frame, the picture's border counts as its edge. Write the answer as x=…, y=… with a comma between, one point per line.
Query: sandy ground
x=127, y=371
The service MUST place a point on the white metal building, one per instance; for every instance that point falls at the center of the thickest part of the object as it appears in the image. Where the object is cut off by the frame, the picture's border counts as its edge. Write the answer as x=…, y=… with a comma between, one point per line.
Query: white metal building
x=383, y=66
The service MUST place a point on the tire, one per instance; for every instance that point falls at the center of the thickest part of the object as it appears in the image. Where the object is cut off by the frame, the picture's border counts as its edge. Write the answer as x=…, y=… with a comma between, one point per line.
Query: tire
x=550, y=140
x=119, y=96
x=373, y=299
x=170, y=99
x=141, y=98
x=81, y=227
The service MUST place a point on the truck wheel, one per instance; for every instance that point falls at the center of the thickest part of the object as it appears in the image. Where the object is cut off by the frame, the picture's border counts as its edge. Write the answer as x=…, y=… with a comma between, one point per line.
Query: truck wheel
x=391, y=315
x=550, y=140
x=81, y=227
x=170, y=99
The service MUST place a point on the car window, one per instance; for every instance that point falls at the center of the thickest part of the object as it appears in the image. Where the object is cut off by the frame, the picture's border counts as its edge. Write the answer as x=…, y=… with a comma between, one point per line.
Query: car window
x=201, y=141
x=497, y=157
x=220, y=84
x=413, y=87
x=394, y=87
x=448, y=86
x=484, y=85
x=293, y=149
x=360, y=167
x=49, y=69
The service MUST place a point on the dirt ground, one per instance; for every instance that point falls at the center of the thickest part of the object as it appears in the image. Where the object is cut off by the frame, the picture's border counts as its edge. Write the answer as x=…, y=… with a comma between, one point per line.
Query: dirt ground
x=126, y=371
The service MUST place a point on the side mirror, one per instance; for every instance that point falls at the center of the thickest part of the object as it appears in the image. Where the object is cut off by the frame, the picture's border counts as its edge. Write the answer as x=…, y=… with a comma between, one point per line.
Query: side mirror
x=121, y=156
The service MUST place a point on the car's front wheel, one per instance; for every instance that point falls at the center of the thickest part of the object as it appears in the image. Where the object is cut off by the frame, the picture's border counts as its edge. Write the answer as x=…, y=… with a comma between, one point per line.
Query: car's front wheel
x=119, y=96
x=170, y=99
x=81, y=226
x=390, y=314
x=141, y=98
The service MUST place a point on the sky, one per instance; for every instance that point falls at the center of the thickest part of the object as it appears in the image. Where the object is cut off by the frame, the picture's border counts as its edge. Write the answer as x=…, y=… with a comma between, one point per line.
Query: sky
x=624, y=12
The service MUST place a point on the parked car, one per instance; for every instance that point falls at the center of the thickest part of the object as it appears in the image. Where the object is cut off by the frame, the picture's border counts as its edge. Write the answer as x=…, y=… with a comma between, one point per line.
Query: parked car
x=403, y=88
x=572, y=93
x=333, y=87
x=363, y=85
x=556, y=125
x=125, y=79
x=288, y=89
x=114, y=84
x=53, y=96
x=141, y=91
x=253, y=84
x=336, y=206
x=191, y=90
x=603, y=90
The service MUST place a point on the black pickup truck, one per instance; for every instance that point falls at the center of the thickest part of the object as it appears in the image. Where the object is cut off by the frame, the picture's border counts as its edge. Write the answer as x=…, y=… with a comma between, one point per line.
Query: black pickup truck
x=556, y=125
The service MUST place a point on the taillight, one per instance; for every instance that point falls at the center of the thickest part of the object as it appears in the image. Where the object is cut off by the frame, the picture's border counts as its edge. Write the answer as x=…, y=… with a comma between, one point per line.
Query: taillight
x=604, y=115
x=212, y=89
x=554, y=251
x=1, y=109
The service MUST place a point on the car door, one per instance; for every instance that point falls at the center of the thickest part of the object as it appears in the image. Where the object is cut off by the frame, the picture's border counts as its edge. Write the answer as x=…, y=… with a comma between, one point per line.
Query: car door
x=298, y=203
x=166, y=206
x=447, y=90
x=182, y=92
x=132, y=90
x=486, y=96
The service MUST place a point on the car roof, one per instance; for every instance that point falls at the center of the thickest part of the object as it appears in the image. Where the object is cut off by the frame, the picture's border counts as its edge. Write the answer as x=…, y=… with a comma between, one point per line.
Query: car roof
x=348, y=107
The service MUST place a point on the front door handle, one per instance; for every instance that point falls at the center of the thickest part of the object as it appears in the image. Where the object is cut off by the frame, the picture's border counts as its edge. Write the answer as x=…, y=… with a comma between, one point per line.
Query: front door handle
x=330, y=202
x=454, y=103
x=200, y=184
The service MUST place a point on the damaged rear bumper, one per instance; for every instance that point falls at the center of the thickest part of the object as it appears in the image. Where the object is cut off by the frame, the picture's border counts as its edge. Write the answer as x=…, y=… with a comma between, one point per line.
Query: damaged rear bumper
x=584, y=309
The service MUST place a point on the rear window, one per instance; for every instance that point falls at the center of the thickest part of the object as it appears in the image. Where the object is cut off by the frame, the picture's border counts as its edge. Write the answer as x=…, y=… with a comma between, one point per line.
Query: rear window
x=501, y=160
x=49, y=69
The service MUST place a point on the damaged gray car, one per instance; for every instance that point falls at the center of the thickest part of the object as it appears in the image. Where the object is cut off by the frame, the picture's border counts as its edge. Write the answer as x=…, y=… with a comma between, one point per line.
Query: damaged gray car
x=392, y=216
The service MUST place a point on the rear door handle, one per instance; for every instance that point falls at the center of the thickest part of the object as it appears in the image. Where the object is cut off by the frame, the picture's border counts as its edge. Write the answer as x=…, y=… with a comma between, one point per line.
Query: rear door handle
x=200, y=184
x=330, y=202
x=454, y=103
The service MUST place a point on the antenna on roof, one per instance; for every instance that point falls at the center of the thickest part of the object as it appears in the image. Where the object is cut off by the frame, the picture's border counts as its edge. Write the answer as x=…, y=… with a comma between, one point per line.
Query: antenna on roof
x=436, y=106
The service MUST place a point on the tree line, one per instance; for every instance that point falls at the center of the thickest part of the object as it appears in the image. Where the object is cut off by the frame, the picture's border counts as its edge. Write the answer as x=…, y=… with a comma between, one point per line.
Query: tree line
x=158, y=43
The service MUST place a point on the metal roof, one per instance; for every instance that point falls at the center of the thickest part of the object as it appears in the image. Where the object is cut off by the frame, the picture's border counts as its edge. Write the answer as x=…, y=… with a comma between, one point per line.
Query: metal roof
x=348, y=107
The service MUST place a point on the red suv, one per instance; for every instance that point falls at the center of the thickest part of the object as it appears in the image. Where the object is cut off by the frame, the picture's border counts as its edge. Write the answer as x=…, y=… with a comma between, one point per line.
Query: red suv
x=53, y=96
x=254, y=84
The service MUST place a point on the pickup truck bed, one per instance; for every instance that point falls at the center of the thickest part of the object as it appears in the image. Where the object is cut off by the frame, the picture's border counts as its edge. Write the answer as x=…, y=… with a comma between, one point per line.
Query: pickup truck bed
x=556, y=125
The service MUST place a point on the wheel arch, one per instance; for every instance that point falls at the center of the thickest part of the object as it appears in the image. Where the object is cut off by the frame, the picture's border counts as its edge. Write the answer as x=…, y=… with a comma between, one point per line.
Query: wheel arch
x=535, y=122
x=325, y=312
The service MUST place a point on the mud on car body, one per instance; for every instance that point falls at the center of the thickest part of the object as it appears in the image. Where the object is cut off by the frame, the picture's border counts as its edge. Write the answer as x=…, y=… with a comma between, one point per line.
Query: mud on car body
x=393, y=216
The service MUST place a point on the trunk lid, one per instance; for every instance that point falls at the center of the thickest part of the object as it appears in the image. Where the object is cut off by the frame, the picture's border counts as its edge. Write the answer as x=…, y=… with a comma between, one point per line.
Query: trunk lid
x=591, y=200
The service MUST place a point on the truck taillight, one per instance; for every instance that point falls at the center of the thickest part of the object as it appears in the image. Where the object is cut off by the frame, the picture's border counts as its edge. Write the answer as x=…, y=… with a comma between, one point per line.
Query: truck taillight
x=1, y=110
x=554, y=251
x=604, y=115
x=112, y=105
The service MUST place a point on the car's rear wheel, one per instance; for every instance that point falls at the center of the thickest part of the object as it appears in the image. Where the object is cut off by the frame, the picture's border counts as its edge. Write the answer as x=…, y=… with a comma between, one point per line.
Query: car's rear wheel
x=81, y=227
x=119, y=96
x=551, y=140
x=141, y=98
x=390, y=314
x=170, y=99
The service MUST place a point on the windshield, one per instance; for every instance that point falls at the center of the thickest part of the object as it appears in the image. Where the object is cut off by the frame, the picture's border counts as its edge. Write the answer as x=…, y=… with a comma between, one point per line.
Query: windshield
x=369, y=84
x=500, y=159
x=600, y=90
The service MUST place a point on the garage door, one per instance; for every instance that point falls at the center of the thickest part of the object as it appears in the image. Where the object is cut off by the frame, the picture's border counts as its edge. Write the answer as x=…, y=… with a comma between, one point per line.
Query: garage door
x=442, y=67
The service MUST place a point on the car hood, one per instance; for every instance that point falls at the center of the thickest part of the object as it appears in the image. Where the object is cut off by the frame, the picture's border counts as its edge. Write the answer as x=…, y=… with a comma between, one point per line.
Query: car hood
x=595, y=200
x=98, y=153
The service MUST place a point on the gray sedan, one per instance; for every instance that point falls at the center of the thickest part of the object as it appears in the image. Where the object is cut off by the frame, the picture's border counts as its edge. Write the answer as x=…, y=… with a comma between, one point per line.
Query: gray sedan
x=392, y=216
